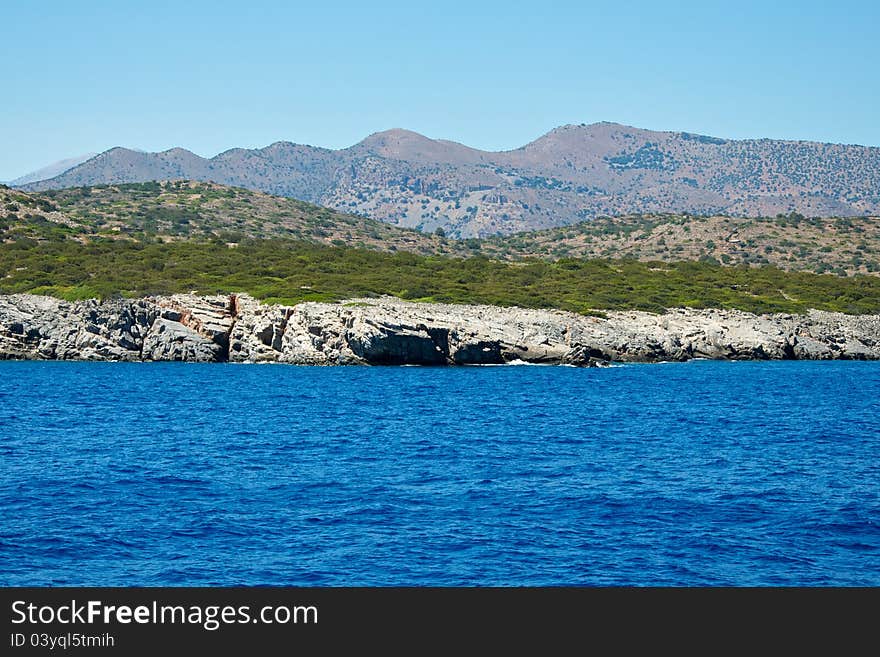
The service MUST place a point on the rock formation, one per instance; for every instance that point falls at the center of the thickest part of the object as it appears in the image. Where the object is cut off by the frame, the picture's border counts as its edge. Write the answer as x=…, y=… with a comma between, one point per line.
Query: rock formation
x=238, y=328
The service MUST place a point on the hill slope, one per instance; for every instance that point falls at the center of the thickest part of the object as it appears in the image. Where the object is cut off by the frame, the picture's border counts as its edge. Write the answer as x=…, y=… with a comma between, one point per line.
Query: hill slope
x=571, y=174
x=51, y=170
x=842, y=245
x=174, y=211
x=179, y=210
x=159, y=238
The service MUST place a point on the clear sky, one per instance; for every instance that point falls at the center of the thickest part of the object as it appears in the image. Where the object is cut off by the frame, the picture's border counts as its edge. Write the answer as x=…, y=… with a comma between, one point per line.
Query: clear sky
x=86, y=76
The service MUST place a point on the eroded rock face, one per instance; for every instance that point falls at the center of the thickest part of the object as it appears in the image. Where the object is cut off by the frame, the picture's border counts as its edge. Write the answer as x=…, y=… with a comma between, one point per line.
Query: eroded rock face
x=211, y=317
x=170, y=340
x=45, y=328
x=682, y=334
x=389, y=331
x=395, y=332
x=258, y=332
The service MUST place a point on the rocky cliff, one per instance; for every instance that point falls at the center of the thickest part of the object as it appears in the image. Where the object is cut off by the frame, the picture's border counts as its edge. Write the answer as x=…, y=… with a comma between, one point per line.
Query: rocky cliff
x=238, y=328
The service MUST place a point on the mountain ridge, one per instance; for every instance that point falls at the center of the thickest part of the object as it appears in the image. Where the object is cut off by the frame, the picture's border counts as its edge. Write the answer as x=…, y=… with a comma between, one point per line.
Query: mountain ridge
x=570, y=174
x=51, y=170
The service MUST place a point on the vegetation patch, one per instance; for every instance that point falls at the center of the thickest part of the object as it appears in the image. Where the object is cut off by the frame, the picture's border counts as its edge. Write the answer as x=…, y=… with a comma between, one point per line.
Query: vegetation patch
x=290, y=271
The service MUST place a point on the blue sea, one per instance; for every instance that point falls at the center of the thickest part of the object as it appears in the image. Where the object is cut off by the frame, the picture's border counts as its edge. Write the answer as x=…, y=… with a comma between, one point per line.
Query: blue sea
x=701, y=473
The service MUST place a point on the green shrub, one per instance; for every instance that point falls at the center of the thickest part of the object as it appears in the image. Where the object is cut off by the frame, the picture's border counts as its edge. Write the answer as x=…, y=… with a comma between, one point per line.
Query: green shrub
x=299, y=271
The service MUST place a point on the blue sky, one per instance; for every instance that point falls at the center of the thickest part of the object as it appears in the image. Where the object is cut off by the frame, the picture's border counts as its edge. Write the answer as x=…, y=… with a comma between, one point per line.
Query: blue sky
x=85, y=76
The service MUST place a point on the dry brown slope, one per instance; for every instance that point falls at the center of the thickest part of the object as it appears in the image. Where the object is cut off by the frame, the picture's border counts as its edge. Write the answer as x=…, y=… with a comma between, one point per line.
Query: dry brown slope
x=573, y=173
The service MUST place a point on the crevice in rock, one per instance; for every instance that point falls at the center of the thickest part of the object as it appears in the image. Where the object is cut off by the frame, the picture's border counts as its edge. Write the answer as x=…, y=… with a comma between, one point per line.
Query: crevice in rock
x=149, y=330
x=225, y=339
x=278, y=338
x=440, y=338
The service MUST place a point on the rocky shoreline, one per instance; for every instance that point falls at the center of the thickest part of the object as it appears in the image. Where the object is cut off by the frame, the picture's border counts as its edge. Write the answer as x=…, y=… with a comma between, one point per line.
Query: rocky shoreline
x=237, y=328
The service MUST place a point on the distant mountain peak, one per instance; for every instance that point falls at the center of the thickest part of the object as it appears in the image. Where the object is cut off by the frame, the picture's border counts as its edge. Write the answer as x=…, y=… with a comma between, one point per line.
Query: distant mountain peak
x=595, y=125
x=177, y=151
x=395, y=138
x=409, y=145
x=120, y=149
x=52, y=170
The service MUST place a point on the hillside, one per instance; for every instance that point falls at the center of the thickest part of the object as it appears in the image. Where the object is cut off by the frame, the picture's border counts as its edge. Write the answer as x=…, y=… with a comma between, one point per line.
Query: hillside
x=160, y=238
x=175, y=211
x=842, y=245
x=571, y=174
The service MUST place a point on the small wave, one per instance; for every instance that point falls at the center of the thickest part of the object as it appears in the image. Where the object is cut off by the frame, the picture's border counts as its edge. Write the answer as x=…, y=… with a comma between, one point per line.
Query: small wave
x=172, y=480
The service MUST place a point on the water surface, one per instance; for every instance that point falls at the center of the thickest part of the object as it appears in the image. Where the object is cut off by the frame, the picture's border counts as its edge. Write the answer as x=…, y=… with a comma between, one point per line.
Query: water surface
x=702, y=473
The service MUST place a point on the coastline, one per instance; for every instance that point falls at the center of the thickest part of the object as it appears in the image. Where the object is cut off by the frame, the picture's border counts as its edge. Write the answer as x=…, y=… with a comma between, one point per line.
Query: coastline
x=388, y=331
